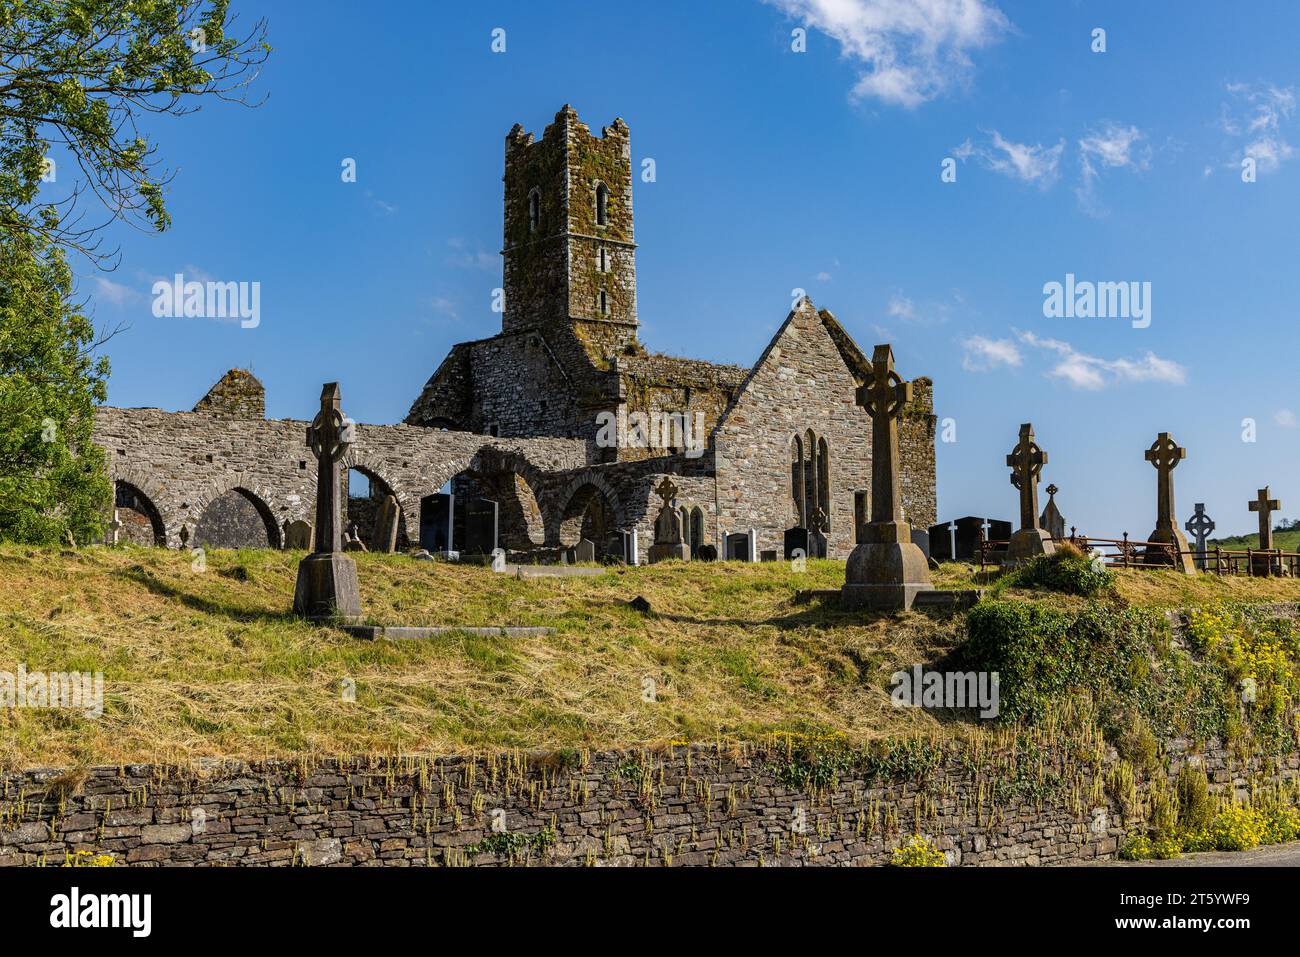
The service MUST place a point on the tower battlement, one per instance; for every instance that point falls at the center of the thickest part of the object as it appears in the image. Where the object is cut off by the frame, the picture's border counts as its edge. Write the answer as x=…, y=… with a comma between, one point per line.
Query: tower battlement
x=570, y=256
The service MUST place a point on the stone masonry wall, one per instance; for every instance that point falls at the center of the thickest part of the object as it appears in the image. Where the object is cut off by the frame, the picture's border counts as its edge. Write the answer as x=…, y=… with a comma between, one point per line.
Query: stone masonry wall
x=183, y=461
x=696, y=805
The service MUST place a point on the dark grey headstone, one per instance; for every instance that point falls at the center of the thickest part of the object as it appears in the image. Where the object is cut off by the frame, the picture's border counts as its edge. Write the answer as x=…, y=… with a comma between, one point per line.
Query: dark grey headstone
x=941, y=542
x=796, y=538
x=738, y=547
x=967, y=538
x=480, y=527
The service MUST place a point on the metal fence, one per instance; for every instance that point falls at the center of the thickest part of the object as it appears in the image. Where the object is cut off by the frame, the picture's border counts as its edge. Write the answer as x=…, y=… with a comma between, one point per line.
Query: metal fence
x=1125, y=552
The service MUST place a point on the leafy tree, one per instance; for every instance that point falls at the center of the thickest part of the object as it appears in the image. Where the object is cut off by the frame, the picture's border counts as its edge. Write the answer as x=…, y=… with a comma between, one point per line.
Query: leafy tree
x=52, y=481
x=79, y=76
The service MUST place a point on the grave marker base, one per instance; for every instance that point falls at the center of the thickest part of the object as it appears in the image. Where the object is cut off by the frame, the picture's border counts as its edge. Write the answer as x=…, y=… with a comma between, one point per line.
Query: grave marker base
x=327, y=587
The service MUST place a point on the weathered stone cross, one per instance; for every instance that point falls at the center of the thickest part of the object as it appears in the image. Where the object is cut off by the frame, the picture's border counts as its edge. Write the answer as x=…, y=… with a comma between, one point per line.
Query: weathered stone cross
x=883, y=398
x=330, y=435
x=666, y=490
x=327, y=579
x=1265, y=506
x=1027, y=460
x=1165, y=454
x=886, y=569
x=1200, y=525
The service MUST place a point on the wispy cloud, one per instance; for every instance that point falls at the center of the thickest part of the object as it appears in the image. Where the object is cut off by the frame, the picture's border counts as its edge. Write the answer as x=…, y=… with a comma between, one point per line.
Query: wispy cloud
x=443, y=306
x=1083, y=371
x=986, y=355
x=1285, y=418
x=115, y=293
x=911, y=51
x=380, y=205
x=1256, y=118
x=907, y=310
x=1111, y=146
x=1030, y=163
x=464, y=258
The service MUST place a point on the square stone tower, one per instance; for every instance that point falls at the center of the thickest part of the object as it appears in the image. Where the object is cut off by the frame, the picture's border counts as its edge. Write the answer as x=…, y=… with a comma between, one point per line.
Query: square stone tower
x=570, y=259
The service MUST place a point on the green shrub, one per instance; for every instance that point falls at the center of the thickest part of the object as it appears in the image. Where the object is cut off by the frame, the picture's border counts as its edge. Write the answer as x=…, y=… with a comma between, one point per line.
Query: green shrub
x=1137, y=847
x=1067, y=571
x=1043, y=654
x=1194, y=808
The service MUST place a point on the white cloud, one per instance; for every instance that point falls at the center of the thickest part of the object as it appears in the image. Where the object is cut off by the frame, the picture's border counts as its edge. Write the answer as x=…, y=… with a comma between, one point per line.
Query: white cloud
x=1285, y=418
x=445, y=307
x=985, y=355
x=1112, y=146
x=1257, y=116
x=1035, y=163
x=1083, y=371
x=823, y=276
x=911, y=50
x=900, y=307
x=1116, y=145
x=115, y=293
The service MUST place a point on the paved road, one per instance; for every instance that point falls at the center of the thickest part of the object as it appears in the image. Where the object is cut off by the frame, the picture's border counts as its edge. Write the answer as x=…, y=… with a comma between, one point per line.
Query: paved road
x=1276, y=855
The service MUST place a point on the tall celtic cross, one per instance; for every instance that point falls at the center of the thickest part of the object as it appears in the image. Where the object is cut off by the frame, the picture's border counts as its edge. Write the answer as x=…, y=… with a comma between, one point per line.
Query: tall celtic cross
x=1165, y=454
x=330, y=435
x=1265, y=506
x=884, y=397
x=1200, y=525
x=1027, y=460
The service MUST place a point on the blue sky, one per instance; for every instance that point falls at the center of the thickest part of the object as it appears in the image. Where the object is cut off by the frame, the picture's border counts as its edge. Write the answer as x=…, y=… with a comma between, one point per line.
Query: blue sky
x=779, y=170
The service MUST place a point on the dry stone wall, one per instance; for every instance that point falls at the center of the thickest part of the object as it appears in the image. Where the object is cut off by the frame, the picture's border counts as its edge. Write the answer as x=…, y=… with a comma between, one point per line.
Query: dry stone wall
x=685, y=806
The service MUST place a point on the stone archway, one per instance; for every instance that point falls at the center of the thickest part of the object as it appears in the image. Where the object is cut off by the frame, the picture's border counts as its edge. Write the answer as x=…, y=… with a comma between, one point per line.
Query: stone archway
x=591, y=510
x=141, y=522
x=364, y=510
x=237, y=517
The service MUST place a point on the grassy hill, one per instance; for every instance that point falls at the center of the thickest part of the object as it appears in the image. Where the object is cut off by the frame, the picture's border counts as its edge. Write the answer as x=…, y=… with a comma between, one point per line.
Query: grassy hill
x=212, y=663
x=1288, y=541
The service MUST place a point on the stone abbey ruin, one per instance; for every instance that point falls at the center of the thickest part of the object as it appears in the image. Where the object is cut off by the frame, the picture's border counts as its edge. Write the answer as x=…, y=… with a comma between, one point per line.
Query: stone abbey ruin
x=557, y=430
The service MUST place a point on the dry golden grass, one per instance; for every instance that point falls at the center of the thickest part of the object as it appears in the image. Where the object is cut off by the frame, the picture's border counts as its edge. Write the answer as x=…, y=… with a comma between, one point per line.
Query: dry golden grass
x=1168, y=589
x=213, y=664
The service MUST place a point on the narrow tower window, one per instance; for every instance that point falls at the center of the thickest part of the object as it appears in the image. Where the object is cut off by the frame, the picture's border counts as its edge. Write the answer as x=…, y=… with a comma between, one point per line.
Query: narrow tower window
x=534, y=210
x=602, y=205
x=603, y=260
x=604, y=303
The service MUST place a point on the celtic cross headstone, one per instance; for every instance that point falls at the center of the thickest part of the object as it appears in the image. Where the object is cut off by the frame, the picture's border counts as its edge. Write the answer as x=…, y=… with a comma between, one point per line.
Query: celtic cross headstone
x=886, y=569
x=1169, y=545
x=1200, y=525
x=1026, y=461
x=327, y=579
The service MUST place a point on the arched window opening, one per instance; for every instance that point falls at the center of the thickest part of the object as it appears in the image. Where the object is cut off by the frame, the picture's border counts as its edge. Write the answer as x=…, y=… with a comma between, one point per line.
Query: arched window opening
x=602, y=205
x=534, y=211
x=796, y=482
x=824, y=480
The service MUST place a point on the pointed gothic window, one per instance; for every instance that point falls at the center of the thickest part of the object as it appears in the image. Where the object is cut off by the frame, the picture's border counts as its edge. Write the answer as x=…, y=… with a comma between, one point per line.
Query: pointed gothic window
x=602, y=205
